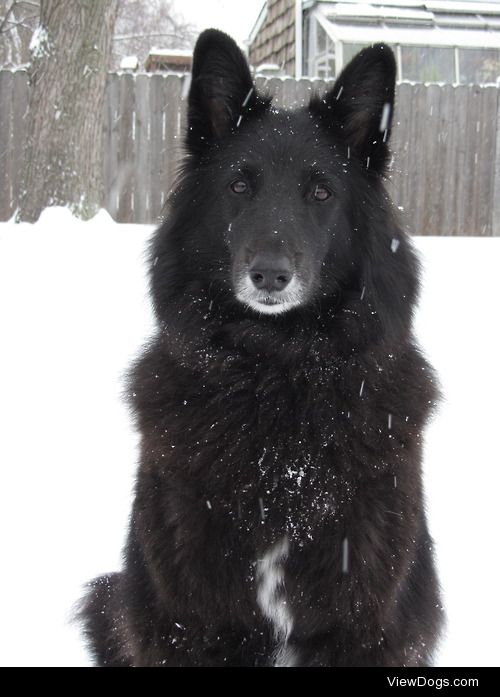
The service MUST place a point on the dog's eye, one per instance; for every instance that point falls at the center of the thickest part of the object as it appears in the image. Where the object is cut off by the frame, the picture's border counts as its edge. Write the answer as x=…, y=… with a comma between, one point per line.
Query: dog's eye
x=239, y=186
x=321, y=193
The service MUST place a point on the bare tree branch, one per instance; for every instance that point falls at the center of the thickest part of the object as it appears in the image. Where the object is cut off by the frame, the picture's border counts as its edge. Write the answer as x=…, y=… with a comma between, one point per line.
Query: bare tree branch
x=5, y=19
x=11, y=8
x=18, y=21
x=140, y=22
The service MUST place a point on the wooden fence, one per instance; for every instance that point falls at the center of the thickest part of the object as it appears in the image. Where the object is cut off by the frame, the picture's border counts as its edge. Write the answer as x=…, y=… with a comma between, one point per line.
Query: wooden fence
x=446, y=143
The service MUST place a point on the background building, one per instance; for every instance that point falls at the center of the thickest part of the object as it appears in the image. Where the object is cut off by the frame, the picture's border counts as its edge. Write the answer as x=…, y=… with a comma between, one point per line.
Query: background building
x=447, y=41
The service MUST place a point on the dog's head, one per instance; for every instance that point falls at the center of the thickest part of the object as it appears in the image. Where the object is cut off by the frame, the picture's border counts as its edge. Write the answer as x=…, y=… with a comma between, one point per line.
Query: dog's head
x=273, y=207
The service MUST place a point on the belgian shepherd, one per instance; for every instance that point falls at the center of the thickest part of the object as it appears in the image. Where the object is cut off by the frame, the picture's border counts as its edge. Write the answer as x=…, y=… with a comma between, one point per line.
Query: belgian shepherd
x=278, y=516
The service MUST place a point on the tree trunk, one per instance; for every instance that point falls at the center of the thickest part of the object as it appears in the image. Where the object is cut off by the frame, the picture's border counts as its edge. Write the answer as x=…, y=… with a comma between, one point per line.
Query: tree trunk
x=70, y=52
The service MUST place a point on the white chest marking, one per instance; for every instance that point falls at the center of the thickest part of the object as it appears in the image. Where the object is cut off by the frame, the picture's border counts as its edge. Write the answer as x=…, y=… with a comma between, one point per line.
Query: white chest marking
x=271, y=598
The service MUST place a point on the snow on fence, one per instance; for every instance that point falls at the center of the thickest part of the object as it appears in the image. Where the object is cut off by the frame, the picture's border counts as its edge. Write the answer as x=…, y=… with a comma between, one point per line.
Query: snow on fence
x=446, y=141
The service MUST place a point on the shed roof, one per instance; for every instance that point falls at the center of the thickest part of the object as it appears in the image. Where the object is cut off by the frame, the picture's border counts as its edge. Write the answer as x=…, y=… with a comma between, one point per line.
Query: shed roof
x=414, y=22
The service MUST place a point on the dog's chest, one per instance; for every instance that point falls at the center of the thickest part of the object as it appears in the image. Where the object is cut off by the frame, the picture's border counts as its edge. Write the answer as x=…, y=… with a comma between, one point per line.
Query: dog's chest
x=295, y=491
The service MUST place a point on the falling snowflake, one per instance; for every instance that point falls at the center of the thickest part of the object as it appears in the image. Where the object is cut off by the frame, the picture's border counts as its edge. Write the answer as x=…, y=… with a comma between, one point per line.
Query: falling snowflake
x=345, y=555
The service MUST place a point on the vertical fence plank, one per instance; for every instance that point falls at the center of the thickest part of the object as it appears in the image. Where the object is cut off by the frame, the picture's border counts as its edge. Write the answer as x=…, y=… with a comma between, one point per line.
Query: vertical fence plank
x=449, y=152
x=274, y=86
x=462, y=201
x=6, y=173
x=410, y=203
x=112, y=123
x=430, y=196
x=186, y=82
x=474, y=155
x=173, y=139
x=469, y=153
x=438, y=175
x=484, y=180
x=495, y=227
x=402, y=147
x=142, y=151
x=157, y=99
x=304, y=91
x=289, y=93
x=398, y=174
x=125, y=154
x=261, y=84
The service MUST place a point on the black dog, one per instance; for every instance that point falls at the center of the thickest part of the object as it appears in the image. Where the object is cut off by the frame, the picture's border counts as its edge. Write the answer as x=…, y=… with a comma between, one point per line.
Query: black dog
x=278, y=516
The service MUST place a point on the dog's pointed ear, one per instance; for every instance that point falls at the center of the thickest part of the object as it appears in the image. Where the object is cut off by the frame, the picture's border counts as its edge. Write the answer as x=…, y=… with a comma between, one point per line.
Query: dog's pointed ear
x=222, y=92
x=360, y=104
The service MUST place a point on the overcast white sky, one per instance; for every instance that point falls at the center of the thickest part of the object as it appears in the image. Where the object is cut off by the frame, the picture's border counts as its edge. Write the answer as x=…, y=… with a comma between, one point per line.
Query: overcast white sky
x=235, y=17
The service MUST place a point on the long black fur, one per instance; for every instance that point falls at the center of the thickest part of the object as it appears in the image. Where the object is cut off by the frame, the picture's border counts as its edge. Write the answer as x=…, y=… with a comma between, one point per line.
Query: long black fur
x=305, y=425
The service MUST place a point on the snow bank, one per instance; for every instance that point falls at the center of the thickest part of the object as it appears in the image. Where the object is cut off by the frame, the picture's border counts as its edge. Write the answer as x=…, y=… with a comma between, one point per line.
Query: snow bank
x=457, y=324
x=74, y=311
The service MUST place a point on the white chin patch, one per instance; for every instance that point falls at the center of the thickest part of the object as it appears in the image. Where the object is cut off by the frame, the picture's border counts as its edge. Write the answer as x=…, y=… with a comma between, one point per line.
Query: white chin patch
x=274, y=309
x=267, y=304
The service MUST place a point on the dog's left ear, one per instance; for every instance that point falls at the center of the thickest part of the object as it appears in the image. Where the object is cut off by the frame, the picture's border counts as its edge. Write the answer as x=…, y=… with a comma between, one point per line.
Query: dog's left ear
x=360, y=104
x=222, y=92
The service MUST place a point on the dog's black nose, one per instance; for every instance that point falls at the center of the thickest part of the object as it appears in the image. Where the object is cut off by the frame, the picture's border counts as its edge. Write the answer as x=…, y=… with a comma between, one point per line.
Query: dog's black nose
x=270, y=272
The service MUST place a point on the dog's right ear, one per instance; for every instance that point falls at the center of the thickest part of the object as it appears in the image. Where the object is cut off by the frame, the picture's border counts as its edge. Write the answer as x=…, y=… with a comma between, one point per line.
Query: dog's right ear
x=360, y=105
x=222, y=92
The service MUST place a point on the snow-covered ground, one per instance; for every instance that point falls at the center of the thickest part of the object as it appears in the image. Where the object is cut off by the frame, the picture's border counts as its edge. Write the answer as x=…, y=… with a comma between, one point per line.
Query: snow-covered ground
x=73, y=312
